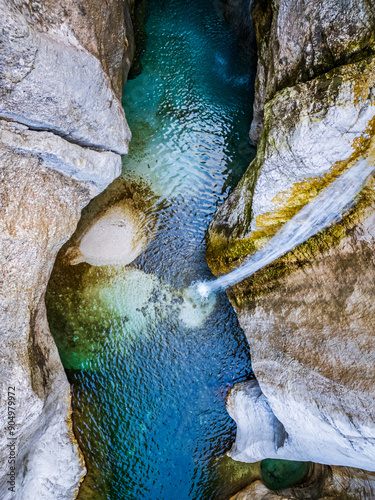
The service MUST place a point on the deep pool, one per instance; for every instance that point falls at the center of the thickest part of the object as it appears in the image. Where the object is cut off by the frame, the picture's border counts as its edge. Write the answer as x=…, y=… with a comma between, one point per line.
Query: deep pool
x=148, y=382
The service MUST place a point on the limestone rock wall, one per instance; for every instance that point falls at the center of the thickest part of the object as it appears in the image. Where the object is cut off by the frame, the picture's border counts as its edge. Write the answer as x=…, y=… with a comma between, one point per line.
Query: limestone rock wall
x=309, y=316
x=62, y=127
x=299, y=40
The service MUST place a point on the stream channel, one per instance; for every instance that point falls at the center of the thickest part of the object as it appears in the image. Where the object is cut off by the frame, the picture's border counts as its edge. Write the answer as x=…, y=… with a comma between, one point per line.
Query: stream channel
x=149, y=372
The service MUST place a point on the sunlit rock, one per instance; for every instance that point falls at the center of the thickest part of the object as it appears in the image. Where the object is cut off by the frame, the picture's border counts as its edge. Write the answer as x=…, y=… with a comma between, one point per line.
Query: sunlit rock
x=259, y=433
x=117, y=237
x=61, y=74
x=116, y=227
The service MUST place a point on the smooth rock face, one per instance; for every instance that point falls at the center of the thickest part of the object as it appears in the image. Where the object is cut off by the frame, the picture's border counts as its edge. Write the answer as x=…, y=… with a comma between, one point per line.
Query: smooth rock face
x=238, y=14
x=48, y=81
x=299, y=40
x=309, y=317
x=116, y=227
x=310, y=130
x=312, y=344
x=61, y=74
x=116, y=238
x=259, y=433
x=41, y=206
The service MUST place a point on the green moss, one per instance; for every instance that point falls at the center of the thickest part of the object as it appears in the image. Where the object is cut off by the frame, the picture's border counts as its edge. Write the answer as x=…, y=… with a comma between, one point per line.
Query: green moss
x=225, y=253
x=265, y=280
x=232, y=476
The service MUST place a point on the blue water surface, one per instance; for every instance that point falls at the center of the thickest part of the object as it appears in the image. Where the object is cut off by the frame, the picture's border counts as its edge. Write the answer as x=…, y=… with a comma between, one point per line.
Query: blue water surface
x=149, y=389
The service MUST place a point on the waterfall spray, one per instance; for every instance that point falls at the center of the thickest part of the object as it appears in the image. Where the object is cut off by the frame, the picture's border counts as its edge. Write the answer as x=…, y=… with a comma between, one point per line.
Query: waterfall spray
x=327, y=208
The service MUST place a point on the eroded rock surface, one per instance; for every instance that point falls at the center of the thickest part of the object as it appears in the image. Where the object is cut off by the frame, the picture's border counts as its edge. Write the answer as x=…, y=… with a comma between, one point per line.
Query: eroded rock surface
x=116, y=227
x=61, y=125
x=309, y=316
x=299, y=40
x=49, y=81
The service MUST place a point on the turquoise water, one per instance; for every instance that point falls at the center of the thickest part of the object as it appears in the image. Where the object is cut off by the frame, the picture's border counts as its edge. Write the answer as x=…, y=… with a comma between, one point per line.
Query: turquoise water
x=149, y=370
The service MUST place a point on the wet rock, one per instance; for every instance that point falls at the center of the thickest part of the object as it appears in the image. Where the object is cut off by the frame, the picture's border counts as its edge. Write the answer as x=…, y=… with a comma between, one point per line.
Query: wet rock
x=238, y=14
x=326, y=125
x=317, y=295
x=109, y=308
x=259, y=433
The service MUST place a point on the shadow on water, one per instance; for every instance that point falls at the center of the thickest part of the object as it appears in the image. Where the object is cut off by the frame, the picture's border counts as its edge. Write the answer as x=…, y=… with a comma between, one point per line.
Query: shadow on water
x=150, y=371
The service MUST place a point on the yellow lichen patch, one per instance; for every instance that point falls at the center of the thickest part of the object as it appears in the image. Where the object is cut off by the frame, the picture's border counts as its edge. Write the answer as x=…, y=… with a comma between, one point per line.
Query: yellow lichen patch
x=73, y=439
x=364, y=82
x=262, y=282
x=290, y=202
x=224, y=255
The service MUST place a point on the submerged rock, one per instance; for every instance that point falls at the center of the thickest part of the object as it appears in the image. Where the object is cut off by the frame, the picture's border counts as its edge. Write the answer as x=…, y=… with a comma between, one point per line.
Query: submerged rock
x=101, y=310
x=281, y=474
x=107, y=309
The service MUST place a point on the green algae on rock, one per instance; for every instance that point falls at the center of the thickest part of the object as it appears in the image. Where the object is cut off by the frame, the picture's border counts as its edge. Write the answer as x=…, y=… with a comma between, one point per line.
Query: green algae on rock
x=281, y=474
x=272, y=191
x=101, y=309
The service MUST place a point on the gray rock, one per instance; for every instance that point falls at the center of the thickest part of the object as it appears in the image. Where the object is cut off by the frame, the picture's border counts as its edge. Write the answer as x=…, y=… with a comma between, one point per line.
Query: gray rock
x=259, y=433
x=300, y=40
x=257, y=428
x=45, y=182
x=324, y=123
x=40, y=208
x=62, y=66
x=309, y=317
x=83, y=164
x=50, y=82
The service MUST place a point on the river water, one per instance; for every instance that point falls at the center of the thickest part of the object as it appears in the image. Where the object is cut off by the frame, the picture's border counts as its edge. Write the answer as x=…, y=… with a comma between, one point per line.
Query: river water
x=149, y=373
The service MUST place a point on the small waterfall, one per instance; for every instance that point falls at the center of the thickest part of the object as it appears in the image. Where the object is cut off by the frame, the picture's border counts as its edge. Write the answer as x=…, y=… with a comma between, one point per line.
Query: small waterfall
x=328, y=207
